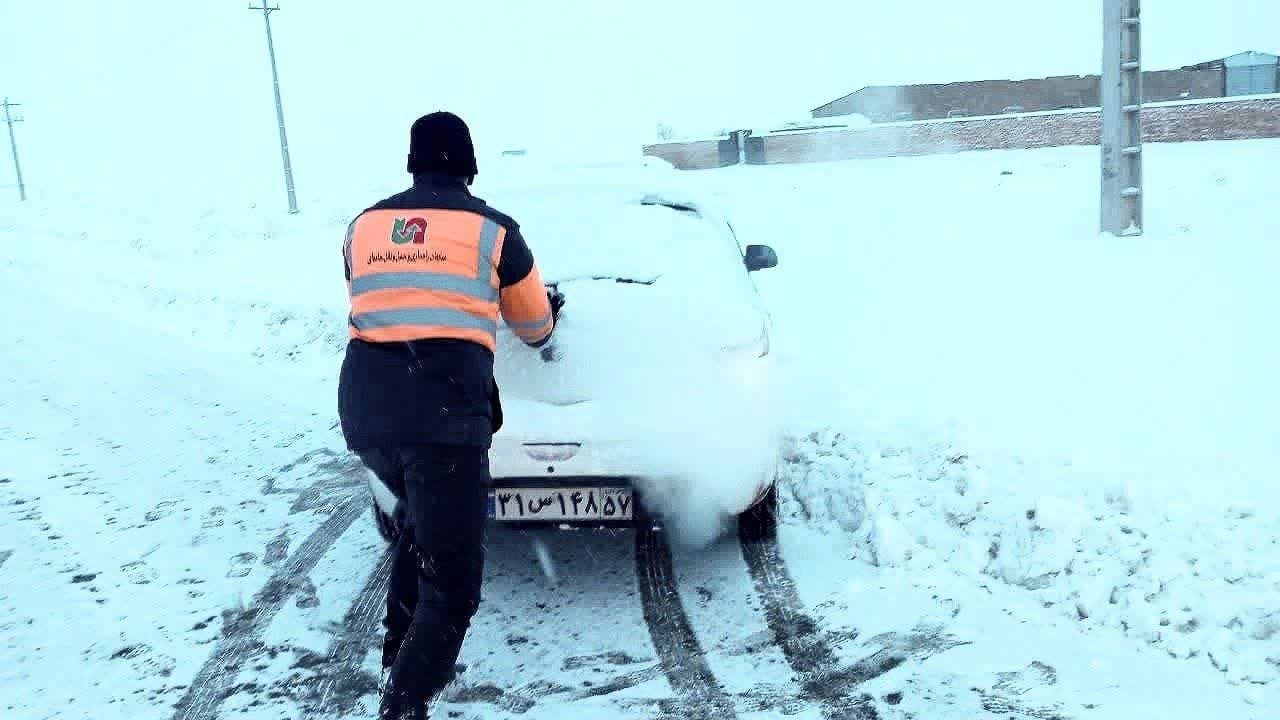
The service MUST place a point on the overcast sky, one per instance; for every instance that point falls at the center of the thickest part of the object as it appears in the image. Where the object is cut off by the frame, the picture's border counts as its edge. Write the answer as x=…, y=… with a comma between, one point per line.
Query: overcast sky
x=143, y=90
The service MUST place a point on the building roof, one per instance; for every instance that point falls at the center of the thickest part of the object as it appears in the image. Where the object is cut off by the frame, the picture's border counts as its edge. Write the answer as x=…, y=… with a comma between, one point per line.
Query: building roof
x=837, y=100
x=956, y=83
x=1252, y=57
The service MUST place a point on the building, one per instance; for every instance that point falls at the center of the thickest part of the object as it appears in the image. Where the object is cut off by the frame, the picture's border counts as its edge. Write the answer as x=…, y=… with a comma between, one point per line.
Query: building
x=1244, y=74
x=1248, y=73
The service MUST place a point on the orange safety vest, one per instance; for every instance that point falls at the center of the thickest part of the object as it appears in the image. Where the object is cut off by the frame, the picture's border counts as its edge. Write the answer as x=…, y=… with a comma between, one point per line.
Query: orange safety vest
x=431, y=274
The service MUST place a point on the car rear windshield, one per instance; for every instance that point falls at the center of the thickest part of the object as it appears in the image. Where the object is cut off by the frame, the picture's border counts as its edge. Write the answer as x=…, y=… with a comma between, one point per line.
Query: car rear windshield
x=627, y=240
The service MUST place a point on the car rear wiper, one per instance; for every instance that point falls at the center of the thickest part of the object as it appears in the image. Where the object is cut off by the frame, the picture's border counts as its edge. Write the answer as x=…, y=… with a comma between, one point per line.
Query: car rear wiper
x=652, y=200
x=614, y=278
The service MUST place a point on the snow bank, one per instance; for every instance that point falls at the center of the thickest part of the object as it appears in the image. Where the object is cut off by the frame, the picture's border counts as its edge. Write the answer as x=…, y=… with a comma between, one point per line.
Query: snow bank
x=1199, y=590
x=240, y=283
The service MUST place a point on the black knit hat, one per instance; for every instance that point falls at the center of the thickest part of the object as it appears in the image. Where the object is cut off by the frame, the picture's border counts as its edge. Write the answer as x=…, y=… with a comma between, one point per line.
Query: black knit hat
x=441, y=143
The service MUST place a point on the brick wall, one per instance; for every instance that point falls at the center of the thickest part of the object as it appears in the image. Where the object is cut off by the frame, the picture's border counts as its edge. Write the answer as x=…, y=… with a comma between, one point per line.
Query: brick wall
x=1225, y=120
x=991, y=97
x=700, y=155
x=1162, y=85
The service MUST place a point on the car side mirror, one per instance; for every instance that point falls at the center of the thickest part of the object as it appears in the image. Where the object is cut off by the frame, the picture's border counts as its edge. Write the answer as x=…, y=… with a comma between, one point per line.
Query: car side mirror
x=760, y=257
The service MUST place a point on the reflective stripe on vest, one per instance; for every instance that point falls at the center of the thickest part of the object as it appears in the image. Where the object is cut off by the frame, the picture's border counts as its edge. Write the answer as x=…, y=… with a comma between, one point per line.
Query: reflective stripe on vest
x=438, y=317
x=423, y=281
x=420, y=274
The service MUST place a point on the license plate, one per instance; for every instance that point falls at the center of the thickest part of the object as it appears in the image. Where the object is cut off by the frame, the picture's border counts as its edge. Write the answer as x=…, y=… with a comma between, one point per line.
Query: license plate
x=561, y=504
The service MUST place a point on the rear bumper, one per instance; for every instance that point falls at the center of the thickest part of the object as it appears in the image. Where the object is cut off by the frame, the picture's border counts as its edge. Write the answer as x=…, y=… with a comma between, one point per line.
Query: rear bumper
x=640, y=515
x=527, y=465
x=718, y=451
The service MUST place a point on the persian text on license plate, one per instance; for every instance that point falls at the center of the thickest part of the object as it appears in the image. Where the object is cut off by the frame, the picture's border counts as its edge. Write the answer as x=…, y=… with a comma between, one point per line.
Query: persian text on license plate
x=560, y=504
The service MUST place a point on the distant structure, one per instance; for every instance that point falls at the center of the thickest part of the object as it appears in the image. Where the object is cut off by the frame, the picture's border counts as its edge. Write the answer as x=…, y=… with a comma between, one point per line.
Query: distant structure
x=1249, y=73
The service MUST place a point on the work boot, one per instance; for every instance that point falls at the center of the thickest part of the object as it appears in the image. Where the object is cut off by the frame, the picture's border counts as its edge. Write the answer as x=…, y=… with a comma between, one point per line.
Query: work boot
x=391, y=643
x=397, y=706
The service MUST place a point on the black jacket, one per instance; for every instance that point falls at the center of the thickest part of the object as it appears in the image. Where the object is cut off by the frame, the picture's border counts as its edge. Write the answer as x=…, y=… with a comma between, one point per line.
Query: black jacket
x=428, y=391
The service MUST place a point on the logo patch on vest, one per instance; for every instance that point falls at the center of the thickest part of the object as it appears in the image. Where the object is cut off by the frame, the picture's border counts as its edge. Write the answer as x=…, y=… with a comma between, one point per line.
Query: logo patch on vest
x=409, y=230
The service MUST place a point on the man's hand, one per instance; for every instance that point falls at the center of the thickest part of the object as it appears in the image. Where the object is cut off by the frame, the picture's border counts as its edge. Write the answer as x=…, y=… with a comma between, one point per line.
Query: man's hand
x=556, y=298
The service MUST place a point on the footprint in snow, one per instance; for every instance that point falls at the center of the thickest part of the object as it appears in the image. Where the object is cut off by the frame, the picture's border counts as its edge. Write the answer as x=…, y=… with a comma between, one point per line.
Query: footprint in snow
x=277, y=550
x=213, y=518
x=606, y=658
x=139, y=573
x=130, y=652
x=1009, y=694
x=751, y=644
x=162, y=510
x=242, y=565
x=307, y=595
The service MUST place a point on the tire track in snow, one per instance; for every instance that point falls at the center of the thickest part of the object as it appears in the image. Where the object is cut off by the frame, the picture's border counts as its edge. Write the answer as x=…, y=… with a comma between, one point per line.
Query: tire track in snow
x=808, y=652
x=215, y=680
x=680, y=654
x=342, y=681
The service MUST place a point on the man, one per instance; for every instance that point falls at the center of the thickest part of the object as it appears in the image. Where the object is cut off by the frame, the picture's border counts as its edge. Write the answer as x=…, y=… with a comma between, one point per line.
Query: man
x=429, y=271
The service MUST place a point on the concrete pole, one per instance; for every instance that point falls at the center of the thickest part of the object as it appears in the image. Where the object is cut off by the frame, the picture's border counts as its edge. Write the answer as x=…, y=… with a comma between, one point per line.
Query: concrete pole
x=1122, y=118
x=275, y=82
x=13, y=145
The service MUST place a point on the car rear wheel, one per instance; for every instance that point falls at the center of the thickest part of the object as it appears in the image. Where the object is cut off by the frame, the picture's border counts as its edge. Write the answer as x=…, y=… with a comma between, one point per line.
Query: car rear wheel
x=760, y=521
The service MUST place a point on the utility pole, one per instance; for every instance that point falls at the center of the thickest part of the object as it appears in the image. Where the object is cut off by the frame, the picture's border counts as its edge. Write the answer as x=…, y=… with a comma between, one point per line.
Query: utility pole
x=13, y=144
x=1121, y=118
x=275, y=81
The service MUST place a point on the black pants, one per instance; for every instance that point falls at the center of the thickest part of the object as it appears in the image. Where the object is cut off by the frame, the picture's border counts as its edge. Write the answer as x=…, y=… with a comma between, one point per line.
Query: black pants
x=438, y=566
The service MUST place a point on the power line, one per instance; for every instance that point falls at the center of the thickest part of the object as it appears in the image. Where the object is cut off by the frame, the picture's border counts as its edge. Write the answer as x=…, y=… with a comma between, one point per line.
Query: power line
x=13, y=144
x=275, y=81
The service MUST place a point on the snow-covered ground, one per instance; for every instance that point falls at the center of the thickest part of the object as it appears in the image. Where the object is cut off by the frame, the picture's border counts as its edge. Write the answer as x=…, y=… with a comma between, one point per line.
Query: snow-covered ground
x=1055, y=447
x=1090, y=419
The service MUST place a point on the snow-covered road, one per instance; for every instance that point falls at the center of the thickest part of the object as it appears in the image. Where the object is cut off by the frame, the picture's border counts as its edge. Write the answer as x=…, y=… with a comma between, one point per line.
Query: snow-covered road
x=629, y=628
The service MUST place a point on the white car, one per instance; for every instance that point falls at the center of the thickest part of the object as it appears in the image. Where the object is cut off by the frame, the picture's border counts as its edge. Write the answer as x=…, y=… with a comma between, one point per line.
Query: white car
x=655, y=399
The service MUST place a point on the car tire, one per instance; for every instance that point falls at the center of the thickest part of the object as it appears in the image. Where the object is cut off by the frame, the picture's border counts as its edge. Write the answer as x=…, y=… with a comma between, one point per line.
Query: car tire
x=759, y=523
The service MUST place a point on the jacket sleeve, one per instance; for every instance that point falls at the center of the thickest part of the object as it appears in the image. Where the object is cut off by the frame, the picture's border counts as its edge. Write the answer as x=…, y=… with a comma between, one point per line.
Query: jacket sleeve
x=523, y=297
x=346, y=248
